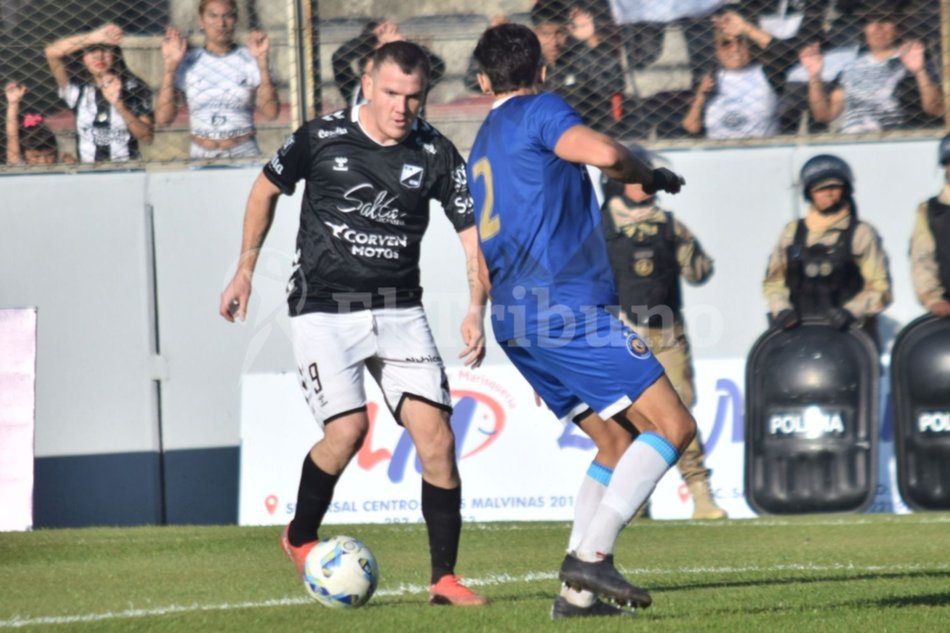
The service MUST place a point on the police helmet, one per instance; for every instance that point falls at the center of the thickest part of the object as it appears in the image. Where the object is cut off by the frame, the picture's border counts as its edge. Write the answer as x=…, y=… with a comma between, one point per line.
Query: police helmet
x=943, y=152
x=826, y=169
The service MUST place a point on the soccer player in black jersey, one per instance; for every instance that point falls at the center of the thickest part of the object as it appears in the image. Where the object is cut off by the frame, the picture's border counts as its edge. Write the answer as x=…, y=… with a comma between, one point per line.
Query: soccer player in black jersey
x=354, y=294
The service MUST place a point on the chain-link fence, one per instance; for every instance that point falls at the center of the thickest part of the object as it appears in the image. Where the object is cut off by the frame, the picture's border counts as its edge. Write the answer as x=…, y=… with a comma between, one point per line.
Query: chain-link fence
x=668, y=71
x=107, y=81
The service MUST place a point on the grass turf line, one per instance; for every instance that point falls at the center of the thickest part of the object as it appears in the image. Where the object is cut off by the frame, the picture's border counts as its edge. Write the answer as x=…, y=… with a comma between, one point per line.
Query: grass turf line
x=830, y=572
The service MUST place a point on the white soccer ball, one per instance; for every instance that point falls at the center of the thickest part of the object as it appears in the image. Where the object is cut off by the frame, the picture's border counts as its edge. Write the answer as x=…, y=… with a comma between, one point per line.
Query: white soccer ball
x=341, y=572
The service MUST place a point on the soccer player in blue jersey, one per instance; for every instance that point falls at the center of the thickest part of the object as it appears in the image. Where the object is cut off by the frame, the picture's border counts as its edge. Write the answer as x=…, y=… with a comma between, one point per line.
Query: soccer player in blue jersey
x=545, y=259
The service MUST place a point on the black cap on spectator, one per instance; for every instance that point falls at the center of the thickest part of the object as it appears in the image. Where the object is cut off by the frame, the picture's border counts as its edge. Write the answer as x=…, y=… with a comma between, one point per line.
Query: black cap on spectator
x=943, y=152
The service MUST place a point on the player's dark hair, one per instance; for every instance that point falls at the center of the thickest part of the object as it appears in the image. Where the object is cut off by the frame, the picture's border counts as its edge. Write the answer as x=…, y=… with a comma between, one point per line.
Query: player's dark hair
x=35, y=135
x=119, y=68
x=409, y=56
x=509, y=55
x=549, y=11
x=203, y=5
x=599, y=10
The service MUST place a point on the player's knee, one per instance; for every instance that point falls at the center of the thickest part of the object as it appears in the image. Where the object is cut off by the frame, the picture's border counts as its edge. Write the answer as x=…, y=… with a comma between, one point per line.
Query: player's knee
x=683, y=431
x=344, y=439
x=437, y=446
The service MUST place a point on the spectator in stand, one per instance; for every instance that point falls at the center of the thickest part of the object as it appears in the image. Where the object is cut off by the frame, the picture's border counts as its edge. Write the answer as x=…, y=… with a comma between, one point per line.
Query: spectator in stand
x=644, y=24
x=785, y=19
x=113, y=107
x=223, y=83
x=741, y=98
x=30, y=142
x=888, y=86
x=350, y=60
x=806, y=21
x=549, y=21
x=596, y=89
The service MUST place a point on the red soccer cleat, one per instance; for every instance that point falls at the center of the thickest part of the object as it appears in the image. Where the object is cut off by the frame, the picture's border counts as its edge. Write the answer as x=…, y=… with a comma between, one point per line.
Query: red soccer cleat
x=297, y=555
x=450, y=591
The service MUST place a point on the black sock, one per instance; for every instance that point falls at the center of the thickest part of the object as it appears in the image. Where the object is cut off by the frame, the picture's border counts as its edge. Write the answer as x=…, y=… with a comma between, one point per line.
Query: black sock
x=313, y=498
x=442, y=511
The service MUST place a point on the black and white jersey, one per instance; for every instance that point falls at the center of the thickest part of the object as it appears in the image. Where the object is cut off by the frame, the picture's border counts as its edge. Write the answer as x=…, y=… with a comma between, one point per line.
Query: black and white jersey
x=220, y=90
x=101, y=132
x=364, y=211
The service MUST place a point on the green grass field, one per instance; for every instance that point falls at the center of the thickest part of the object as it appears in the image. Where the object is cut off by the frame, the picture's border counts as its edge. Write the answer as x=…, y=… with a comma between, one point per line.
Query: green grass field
x=814, y=573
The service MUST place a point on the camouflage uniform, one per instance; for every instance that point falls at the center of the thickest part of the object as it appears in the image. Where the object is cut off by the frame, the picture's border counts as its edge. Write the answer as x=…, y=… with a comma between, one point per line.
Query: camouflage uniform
x=666, y=334
x=868, y=255
x=928, y=276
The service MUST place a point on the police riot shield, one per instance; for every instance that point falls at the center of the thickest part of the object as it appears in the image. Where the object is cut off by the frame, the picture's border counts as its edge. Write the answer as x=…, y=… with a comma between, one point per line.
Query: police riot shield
x=920, y=391
x=811, y=421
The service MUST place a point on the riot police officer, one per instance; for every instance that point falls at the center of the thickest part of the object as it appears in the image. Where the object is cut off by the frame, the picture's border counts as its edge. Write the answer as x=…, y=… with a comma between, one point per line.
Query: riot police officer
x=829, y=264
x=930, y=245
x=649, y=252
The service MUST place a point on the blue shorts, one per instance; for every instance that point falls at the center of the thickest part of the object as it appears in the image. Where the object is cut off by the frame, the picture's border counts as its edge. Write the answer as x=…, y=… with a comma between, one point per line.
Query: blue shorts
x=598, y=364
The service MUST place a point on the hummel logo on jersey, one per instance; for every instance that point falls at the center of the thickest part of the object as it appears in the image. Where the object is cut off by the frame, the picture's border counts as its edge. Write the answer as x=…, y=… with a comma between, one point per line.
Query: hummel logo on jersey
x=411, y=177
x=341, y=163
x=429, y=147
x=337, y=131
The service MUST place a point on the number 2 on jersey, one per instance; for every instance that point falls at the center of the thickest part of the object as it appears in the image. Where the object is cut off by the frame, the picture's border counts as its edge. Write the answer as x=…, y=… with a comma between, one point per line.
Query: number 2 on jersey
x=488, y=225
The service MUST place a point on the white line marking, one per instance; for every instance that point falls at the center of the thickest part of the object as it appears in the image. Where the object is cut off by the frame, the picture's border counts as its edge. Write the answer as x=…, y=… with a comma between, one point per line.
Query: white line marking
x=907, y=519
x=495, y=579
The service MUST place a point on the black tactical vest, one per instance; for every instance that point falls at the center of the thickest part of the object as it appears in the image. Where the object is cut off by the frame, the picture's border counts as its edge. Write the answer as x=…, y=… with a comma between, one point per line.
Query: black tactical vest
x=822, y=277
x=938, y=217
x=646, y=270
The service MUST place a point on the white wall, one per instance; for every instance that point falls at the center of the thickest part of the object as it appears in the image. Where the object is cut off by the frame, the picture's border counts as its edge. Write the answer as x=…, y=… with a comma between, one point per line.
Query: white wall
x=78, y=247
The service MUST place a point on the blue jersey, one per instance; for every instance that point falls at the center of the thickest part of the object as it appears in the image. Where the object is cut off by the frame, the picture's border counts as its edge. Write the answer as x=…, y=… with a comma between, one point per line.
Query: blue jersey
x=537, y=216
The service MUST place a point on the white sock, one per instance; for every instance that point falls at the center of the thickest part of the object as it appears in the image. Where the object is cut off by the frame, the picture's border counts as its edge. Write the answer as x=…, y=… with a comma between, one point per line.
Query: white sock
x=588, y=500
x=586, y=503
x=636, y=475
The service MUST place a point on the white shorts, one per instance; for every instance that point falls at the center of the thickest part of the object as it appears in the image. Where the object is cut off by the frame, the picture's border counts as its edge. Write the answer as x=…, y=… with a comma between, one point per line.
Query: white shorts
x=394, y=344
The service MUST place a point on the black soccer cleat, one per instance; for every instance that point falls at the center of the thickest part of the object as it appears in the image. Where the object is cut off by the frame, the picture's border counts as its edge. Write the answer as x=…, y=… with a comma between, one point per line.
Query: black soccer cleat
x=564, y=609
x=603, y=579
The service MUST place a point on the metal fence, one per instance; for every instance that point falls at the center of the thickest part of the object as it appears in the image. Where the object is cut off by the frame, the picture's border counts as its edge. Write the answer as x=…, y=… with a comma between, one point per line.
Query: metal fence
x=694, y=72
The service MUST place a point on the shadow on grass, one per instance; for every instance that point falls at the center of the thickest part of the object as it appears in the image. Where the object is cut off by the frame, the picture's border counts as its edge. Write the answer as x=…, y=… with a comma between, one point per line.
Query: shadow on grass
x=761, y=582
x=929, y=600
x=925, y=600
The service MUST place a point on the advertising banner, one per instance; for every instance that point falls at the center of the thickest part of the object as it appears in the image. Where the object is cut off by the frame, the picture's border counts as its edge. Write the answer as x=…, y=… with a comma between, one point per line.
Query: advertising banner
x=518, y=463
x=17, y=408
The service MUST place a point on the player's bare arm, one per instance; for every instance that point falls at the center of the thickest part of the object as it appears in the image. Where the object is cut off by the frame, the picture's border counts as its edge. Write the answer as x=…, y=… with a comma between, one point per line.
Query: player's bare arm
x=580, y=144
x=473, y=331
x=258, y=215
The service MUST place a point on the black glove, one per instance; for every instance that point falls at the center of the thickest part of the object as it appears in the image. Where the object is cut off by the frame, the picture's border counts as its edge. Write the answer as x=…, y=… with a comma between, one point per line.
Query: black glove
x=785, y=319
x=664, y=180
x=839, y=318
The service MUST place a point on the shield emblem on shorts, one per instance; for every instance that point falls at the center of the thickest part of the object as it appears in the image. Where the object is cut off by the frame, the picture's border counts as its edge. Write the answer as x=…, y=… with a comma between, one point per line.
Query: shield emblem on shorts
x=411, y=177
